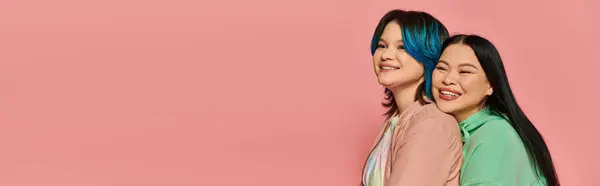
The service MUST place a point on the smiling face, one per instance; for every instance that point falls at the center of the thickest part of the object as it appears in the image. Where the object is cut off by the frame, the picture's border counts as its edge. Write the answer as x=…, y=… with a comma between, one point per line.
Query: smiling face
x=460, y=85
x=393, y=66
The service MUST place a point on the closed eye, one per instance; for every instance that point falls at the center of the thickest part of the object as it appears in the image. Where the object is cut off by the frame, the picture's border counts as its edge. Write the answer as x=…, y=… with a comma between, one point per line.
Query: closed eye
x=440, y=68
x=465, y=72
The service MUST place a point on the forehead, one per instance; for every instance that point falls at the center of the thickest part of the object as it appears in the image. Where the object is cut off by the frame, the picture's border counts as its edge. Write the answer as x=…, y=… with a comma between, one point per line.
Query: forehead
x=457, y=54
x=392, y=32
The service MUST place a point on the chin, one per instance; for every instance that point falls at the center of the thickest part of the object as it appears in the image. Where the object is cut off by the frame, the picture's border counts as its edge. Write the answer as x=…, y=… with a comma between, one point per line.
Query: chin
x=385, y=82
x=390, y=81
x=445, y=107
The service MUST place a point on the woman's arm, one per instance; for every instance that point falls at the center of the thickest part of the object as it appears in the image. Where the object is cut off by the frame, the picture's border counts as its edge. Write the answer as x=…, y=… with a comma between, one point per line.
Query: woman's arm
x=432, y=150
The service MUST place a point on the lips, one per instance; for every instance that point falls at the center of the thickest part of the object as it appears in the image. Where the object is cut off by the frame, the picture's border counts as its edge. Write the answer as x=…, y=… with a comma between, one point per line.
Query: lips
x=448, y=94
x=387, y=67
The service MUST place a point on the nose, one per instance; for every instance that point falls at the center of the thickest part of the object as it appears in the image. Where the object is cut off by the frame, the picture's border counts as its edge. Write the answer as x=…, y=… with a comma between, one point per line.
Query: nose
x=450, y=79
x=388, y=54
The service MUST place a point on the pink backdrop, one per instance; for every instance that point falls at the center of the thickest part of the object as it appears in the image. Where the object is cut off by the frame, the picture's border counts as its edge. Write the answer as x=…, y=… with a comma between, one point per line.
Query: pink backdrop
x=267, y=92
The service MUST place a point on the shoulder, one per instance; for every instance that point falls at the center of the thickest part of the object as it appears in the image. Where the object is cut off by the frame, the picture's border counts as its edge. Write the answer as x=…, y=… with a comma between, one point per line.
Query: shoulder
x=431, y=120
x=433, y=132
x=498, y=140
x=430, y=116
x=497, y=131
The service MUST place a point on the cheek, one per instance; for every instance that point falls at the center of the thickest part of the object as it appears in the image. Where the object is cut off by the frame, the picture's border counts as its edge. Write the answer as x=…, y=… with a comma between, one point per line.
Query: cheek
x=411, y=72
x=404, y=58
x=376, y=61
x=435, y=93
x=473, y=85
x=474, y=92
x=436, y=77
x=410, y=64
x=376, y=55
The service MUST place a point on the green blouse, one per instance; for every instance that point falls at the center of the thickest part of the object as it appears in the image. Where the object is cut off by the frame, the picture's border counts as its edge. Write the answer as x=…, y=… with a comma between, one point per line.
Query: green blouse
x=494, y=154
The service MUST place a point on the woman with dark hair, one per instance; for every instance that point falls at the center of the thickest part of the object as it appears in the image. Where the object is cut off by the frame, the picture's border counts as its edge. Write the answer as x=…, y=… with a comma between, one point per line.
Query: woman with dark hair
x=501, y=145
x=418, y=144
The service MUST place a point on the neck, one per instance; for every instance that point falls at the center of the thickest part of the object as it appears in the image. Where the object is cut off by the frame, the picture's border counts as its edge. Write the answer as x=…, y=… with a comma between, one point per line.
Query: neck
x=405, y=96
x=464, y=114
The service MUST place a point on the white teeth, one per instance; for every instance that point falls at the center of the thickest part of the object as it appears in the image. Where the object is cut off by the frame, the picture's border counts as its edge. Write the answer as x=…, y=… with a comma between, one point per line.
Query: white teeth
x=448, y=93
x=388, y=68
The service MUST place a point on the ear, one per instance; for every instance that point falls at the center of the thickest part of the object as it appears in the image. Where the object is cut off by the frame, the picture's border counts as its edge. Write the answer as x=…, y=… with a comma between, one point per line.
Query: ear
x=490, y=91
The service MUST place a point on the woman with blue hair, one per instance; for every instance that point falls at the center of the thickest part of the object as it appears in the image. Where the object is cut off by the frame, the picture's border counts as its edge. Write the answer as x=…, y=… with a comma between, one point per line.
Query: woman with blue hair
x=418, y=144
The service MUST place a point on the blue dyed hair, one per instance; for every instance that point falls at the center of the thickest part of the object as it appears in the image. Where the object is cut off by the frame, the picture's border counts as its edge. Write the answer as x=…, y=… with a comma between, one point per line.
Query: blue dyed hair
x=422, y=35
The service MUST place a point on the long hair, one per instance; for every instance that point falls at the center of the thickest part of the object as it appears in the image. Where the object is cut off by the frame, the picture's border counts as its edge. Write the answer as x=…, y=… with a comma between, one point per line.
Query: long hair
x=502, y=102
x=422, y=35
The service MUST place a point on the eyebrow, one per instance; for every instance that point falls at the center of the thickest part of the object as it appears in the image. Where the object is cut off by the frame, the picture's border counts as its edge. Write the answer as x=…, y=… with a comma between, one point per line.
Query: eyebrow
x=460, y=65
x=398, y=41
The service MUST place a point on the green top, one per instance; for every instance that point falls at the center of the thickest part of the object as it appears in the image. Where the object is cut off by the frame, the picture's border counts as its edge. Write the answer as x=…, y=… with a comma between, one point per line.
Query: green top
x=494, y=154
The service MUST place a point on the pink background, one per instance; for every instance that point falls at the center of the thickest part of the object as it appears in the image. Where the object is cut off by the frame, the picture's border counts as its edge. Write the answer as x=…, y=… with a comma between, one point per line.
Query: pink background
x=267, y=92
